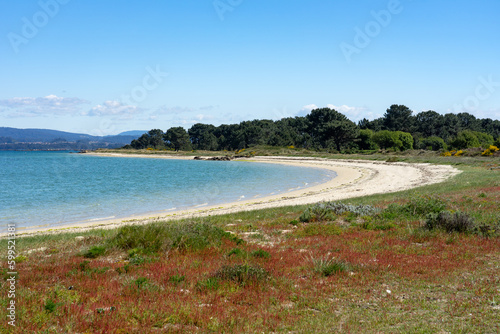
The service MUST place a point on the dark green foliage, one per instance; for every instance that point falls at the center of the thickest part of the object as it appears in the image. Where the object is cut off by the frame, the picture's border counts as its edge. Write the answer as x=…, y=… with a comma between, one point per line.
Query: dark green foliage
x=236, y=252
x=176, y=279
x=497, y=142
x=152, y=238
x=429, y=123
x=50, y=306
x=465, y=139
x=140, y=282
x=422, y=205
x=241, y=273
x=326, y=266
x=485, y=140
x=178, y=139
x=417, y=207
x=365, y=140
x=329, y=210
x=396, y=140
x=261, y=254
x=95, y=251
x=153, y=139
x=433, y=143
x=333, y=268
x=202, y=137
x=398, y=118
x=329, y=128
x=450, y=222
x=211, y=283
x=378, y=226
x=84, y=266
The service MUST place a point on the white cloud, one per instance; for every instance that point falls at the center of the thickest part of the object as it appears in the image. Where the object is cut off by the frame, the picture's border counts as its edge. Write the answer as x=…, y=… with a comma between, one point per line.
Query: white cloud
x=39, y=106
x=112, y=108
x=309, y=107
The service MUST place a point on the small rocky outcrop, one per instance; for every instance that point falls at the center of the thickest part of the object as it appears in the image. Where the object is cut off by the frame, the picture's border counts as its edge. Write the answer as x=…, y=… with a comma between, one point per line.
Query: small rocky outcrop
x=224, y=158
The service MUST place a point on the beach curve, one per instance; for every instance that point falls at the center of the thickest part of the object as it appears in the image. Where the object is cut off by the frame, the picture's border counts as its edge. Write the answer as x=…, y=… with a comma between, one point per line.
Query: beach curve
x=355, y=178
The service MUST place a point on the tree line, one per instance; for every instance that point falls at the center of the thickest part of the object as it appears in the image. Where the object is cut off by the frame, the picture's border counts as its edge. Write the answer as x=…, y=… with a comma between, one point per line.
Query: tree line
x=326, y=128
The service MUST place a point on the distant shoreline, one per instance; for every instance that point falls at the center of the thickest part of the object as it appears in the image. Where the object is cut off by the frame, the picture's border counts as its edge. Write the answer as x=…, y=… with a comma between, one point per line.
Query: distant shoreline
x=355, y=178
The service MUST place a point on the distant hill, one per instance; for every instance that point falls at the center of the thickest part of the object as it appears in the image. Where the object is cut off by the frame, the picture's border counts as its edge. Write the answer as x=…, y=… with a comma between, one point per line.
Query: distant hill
x=44, y=139
x=137, y=133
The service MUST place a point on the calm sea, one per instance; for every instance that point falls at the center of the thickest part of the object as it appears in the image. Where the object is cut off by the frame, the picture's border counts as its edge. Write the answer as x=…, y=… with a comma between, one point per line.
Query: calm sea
x=57, y=188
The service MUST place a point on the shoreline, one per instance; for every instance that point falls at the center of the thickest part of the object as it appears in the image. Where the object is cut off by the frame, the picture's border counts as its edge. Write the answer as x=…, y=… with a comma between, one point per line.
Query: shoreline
x=355, y=178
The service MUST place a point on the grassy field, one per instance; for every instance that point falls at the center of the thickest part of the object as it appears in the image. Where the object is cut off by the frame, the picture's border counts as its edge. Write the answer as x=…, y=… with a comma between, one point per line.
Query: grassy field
x=425, y=260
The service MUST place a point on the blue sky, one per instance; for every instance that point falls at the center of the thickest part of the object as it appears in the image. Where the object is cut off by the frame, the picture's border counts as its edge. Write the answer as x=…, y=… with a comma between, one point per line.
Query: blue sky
x=102, y=67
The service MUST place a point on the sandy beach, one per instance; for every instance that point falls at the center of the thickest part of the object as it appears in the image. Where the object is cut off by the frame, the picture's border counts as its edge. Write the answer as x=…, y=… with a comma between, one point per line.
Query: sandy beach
x=355, y=178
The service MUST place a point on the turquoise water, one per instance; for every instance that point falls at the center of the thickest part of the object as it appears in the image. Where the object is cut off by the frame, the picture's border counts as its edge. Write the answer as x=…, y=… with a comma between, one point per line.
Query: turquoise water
x=57, y=188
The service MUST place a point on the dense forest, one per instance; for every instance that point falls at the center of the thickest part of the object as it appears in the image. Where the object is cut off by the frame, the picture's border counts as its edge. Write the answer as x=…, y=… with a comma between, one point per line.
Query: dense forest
x=326, y=128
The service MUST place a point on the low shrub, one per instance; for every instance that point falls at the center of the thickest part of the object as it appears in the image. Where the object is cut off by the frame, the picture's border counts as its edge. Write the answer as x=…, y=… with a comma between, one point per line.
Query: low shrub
x=176, y=279
x=211, y=283
x=241, y=273
x=95, y=252
x=261, y=253
x=378, y=226
x=417, y=206
x=328, y=211
x=236, y=252
x=141, y=282
x=450, y=222
x=50, y=306
x=326, y=266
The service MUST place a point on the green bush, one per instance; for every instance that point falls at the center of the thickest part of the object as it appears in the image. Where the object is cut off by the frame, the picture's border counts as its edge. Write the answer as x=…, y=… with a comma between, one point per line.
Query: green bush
x=94, y=252
x=328, y=211
x=422, y=205
x=326, y=266
x=387, y=139
x=397, y=140
x=241, y=273
x=434, y=143
x=465, y=139
x=406, y=140
x=177, y=279
x=450, y=222
x=50, y=306
x=211, y=283
x=497, y=142
x=261, y=253
x=365, y=140
x=236, y=252
x=485, y=140
x=140, y=282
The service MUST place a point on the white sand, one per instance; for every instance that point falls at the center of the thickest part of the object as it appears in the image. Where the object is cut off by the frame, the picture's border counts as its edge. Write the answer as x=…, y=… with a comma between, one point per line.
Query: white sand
x=355, y=178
